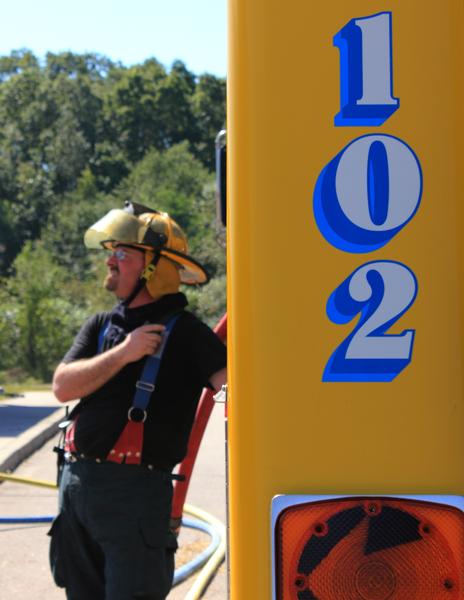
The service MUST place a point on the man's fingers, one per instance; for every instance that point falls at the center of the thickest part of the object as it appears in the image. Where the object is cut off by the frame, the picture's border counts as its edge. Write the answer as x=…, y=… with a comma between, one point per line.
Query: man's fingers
x=153, y=341
x=145, y=340
x=153, y=328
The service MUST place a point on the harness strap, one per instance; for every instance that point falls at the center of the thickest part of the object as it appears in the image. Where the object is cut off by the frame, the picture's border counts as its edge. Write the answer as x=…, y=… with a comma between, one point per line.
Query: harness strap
x=146, y=274
x=69, y=444
x=101, y=335
x=128, y=447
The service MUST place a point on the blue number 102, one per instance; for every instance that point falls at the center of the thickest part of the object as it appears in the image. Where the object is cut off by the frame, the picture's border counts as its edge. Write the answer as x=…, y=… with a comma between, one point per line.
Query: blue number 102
x=366, y=71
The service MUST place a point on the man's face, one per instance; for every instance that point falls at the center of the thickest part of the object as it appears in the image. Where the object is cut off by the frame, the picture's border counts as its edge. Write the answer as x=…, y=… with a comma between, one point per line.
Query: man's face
x=125, y=265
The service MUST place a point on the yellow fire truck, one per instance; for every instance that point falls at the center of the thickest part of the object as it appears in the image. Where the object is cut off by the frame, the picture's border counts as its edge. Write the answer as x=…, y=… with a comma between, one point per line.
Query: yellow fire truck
x=346, y=309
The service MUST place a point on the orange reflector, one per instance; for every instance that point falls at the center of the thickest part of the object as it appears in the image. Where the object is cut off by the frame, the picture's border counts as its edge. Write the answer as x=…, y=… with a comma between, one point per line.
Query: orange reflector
x=370, y=549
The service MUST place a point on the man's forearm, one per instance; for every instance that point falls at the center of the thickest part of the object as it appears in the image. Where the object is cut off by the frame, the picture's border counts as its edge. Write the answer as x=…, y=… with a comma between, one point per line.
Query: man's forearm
x=82, y=377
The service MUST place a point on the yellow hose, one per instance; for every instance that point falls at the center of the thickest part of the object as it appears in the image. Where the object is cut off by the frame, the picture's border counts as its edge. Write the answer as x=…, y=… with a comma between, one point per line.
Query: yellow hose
x=36, y=482
x=209, y=568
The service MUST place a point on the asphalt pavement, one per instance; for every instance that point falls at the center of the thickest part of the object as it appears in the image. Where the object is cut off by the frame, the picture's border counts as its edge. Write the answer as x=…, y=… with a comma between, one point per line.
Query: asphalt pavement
x=28, y=432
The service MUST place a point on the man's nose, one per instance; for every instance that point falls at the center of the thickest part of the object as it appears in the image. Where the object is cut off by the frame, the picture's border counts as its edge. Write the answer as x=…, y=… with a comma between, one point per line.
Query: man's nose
x=111, y=260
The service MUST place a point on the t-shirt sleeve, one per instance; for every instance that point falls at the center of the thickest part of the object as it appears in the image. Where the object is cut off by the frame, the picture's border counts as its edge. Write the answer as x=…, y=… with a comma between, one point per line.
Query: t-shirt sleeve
x=85, y=343
x=209, y=352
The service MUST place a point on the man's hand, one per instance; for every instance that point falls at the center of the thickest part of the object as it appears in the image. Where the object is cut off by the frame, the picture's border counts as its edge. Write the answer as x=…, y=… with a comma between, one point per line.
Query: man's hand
x=142, y=341
x=82, y=377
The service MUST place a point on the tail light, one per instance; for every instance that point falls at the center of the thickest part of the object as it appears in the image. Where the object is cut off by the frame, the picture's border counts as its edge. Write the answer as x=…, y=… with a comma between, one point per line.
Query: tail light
x=371, y=548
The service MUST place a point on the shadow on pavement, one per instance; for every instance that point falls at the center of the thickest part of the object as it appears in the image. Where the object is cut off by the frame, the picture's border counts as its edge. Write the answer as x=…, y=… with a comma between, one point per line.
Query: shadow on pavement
x=16, y=419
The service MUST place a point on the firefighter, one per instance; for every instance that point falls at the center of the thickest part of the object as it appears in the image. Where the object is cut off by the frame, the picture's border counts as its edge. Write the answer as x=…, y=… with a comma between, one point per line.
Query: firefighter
x=138, y=372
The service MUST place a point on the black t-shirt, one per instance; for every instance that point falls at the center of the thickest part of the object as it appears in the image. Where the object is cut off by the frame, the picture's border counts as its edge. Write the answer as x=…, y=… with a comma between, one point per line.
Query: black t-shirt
x=193, y=353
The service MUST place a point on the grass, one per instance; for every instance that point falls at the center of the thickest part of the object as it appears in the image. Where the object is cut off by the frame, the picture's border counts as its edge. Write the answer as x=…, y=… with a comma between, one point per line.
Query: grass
x=21, y=385
x=27, y=386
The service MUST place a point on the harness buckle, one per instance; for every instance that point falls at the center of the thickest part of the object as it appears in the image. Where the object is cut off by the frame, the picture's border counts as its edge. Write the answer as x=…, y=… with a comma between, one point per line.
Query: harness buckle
x=145, y=386
x=139, y=416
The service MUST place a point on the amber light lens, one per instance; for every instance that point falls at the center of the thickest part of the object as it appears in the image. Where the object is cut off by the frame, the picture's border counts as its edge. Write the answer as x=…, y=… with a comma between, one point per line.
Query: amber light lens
x=370, y=549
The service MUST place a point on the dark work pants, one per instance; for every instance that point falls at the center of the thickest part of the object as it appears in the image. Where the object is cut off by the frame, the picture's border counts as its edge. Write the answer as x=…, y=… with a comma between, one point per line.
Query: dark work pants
x=111, y=539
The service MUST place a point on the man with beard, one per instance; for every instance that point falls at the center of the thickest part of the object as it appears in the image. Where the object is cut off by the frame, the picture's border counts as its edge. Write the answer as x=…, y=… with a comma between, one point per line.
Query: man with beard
x=138, y=371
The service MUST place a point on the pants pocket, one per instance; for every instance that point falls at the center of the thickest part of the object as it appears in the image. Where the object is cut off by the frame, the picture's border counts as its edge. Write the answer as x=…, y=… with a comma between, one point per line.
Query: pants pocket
x=158, y=549
x=56, y=553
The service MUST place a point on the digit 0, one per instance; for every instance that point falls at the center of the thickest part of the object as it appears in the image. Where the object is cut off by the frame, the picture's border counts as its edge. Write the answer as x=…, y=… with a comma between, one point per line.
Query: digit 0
x=368, y=193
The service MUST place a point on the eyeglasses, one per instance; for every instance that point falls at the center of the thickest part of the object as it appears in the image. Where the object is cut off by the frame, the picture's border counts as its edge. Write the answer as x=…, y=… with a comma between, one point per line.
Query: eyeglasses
x=122, y=252
x=119, y=254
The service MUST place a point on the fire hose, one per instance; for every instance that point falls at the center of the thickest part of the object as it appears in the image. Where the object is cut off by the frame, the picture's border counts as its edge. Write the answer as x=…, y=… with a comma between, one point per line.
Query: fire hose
x=210, y=559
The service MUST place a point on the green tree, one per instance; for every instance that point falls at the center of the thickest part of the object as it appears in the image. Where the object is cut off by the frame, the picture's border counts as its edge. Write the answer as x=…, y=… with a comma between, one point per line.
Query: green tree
x=18, y=61
x=63, y=235
x=66, y=152
x=209, y=111
x=9, y=240
x=94, y=66
x=79, y=135
x=131, y=116
x=209, y=301
x=172, y=181
x=174, y=107
x=41, y=316
x=10, y=331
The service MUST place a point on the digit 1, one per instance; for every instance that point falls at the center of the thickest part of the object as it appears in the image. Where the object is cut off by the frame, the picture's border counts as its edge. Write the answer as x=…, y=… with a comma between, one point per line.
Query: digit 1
x=366, y=83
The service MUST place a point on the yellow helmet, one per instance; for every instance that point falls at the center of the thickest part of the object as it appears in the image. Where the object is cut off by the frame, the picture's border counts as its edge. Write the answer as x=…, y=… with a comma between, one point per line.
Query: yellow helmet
x=142, y=227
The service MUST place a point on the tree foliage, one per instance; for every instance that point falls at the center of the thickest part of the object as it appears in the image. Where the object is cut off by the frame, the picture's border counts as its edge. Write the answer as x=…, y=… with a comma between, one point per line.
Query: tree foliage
x=80, y=134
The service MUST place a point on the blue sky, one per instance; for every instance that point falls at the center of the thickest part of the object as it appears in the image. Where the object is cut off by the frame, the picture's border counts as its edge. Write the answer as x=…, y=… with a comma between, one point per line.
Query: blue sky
x=193, y=31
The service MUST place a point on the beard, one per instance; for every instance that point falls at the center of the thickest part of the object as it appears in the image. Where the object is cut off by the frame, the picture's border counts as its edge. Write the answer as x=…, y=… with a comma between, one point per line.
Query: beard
x=111, y=282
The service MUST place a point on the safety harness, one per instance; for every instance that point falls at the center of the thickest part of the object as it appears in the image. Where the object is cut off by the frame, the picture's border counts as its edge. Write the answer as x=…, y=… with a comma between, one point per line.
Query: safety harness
x=128, y=447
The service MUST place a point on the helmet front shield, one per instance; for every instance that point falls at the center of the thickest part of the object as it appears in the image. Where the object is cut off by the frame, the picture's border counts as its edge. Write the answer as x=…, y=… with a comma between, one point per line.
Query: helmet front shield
x=116, y=226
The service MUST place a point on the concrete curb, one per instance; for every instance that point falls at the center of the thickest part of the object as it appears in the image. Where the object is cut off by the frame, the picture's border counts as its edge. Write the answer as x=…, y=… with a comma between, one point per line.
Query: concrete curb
x=31, y=440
